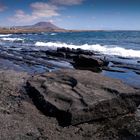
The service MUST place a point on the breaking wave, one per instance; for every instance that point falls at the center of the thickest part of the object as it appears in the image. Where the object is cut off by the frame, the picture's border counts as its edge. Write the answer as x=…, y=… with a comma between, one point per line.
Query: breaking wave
x=5, y=35
x=53, y=34
x=104, y=49
x=11, y=39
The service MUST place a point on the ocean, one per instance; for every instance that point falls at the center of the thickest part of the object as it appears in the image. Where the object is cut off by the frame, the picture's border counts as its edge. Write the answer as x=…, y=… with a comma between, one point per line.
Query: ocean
x=121, y=48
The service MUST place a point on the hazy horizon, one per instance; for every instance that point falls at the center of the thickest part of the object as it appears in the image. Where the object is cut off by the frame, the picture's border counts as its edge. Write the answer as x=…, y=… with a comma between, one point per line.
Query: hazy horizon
x=73, y=14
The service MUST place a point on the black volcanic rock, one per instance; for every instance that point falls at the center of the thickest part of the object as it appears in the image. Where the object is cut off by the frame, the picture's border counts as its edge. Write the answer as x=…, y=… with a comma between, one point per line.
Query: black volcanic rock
x=89, y=63
x=74, y=51
x=20, y=119
x=55, y=53
x=75, y=97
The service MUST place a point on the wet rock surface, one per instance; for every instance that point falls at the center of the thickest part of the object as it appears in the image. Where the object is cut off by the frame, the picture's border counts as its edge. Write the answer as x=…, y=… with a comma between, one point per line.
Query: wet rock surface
x=31, y=58
x=36, y=60
x=21, y=119
x=81, y=96
x=85, y=61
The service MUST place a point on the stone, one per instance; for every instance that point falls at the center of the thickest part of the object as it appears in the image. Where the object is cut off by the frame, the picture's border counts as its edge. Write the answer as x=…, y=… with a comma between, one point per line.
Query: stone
x=89, y=63
x=74, y=51
x=75, y=97
x=55, y=53
x=17, y=111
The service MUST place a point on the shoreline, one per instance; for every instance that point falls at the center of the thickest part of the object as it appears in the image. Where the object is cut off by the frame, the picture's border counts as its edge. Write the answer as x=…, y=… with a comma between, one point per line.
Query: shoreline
x=72, y=101
x=32, y=61
x=26, y=31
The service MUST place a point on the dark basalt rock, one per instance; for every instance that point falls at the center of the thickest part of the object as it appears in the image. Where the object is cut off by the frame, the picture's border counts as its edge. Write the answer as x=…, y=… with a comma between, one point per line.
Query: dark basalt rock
x=76, y=97
x=74, y=51
x=120, y=57
x=89, y=62
x=67, y=53
x=16, y=106
x=55, y=53
x=71, y=56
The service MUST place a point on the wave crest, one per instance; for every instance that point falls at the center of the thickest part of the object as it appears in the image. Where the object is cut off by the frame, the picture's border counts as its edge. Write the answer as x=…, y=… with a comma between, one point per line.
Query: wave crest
x=11, y=39
x=104, y=49
x=5, y=35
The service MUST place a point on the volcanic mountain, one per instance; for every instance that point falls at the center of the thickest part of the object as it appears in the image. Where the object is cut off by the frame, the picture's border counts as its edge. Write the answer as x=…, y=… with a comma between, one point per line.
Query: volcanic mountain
x=38, y=27
x=41, y=25
x=45, y=25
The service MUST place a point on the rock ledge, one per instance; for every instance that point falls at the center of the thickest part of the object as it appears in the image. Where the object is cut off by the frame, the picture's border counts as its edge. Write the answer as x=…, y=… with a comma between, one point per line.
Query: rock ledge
x=75, y=96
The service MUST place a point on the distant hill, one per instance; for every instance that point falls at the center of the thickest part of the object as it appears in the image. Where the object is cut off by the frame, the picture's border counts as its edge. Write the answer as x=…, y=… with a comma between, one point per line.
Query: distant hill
x=41, y=25
x=38, y=27
x=45, y=25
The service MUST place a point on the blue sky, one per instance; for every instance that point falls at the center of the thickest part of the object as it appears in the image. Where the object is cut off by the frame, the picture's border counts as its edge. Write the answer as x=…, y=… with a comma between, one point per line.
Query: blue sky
x=73, y=14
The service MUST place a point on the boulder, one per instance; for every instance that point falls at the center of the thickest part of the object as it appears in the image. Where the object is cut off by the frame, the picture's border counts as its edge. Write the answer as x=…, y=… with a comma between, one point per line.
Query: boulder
x=74, y=51
x=75, y=96
x=55, y=53
x=88, y=62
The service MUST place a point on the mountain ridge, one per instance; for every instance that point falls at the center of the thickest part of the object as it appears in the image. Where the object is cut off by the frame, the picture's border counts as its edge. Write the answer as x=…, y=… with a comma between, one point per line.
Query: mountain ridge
x=37, y=27
x=40, y=25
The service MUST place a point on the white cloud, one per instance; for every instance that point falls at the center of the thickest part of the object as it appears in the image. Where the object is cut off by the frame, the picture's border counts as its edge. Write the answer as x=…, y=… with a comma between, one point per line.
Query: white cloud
x=67, y=2
x=2, y=7
x=40, y=10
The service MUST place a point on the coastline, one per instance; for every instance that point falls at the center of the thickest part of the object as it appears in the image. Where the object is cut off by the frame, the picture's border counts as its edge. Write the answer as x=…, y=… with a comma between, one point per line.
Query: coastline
x=34, y=61
x=68, y=103
x=21, y=30
x=62, y=94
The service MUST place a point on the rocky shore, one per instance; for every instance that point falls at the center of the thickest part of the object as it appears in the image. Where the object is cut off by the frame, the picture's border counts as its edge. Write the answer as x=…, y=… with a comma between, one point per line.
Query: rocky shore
x=31, y=58
x=67, y=104
x=67, y=100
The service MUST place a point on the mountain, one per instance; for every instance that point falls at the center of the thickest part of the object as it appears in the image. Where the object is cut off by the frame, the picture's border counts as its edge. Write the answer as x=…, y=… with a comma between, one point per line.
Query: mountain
x=45, y=25
x=38, y=27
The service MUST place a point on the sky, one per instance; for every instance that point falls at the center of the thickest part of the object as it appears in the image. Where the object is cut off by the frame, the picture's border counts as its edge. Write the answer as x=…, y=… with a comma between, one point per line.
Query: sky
x=73, y=14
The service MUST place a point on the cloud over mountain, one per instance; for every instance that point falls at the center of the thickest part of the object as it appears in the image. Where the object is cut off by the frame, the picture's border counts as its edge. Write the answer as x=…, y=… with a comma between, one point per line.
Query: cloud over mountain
x=39, y=10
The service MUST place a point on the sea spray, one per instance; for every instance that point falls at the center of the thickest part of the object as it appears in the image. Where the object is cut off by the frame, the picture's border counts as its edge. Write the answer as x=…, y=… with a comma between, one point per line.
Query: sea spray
x=104, y=49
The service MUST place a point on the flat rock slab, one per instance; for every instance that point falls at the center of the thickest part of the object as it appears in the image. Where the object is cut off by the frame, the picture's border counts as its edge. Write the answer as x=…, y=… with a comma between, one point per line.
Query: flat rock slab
x=75, y=96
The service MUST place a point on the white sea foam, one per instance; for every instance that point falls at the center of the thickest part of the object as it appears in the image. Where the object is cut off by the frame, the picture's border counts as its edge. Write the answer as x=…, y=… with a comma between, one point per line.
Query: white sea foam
x=5, y=35
x=53, y=34
x=104, y=49
x=11, y=39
